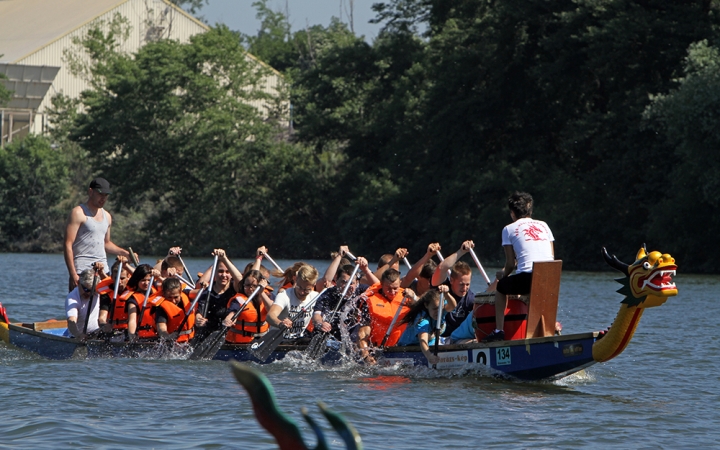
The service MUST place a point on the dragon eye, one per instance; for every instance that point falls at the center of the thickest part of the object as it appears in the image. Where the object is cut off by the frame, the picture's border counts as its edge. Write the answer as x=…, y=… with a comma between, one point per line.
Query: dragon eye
x=646, y=265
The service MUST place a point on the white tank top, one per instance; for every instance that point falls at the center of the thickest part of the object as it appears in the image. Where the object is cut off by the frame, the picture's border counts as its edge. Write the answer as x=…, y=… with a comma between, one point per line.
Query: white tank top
x=89, y=245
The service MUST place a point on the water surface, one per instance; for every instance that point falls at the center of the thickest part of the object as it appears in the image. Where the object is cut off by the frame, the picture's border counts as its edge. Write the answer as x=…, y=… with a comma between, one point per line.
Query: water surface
x=661, y=392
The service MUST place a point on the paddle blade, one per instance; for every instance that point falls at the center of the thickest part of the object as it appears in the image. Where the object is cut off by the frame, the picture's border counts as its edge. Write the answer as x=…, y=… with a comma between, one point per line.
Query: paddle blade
x=263, y=348
x=317, y=346
x=209, y=346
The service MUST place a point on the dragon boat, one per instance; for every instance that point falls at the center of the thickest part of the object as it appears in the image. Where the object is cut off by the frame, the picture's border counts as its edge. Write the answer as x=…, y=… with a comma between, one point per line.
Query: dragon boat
x=533, y=352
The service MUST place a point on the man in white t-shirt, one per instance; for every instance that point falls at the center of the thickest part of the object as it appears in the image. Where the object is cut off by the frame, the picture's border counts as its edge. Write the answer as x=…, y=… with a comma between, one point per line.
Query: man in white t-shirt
x=77, y=304
x=298, y=300
x=525, y=241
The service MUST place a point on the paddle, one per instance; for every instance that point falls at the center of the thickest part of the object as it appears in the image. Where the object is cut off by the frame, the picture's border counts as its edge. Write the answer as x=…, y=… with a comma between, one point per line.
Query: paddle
x=392, y=324
x=440, y=257
x=179, y=277
x=274, y=337
x=189, y=311
x=479, y=266
x=211, y=344
x=133, y=259
x=142, y=310
x=90, y=304
x=115, y=295
x=317, y=344
x=437, y=326
x=272, y=261
x=212, y=280
x=189, y=283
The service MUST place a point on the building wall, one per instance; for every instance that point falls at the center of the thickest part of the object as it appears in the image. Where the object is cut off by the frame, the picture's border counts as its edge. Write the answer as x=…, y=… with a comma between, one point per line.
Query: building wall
x=149, y=20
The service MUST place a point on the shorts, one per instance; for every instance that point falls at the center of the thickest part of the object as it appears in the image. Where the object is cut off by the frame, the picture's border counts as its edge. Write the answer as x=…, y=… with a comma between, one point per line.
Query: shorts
x=518, y=284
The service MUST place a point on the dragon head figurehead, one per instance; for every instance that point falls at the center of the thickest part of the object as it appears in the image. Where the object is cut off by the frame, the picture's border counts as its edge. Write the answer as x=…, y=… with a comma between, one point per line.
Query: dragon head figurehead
x=648, y=281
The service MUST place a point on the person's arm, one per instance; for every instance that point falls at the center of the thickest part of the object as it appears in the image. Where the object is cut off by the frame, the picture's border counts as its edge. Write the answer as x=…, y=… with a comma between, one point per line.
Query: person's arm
x=259, y=253
x=367, y=273
x=75, y=219
x=74, y=328
x=441, y=273
x=281, y=301
x=132, y=318
x=510, y=263
x=425, y=347
x=450, y=302
x=397, y=256
x=110, y=246
x=332, y=269
x=417, y=267
x=236, y=275
x=272, y=317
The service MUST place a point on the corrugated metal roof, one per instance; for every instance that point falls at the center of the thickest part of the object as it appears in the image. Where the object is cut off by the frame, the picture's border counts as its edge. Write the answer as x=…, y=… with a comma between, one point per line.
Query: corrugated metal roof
x=28, y=83
x=28, y=25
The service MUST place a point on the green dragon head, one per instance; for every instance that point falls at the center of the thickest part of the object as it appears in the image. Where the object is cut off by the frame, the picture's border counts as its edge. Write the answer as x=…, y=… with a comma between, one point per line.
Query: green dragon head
x=648, y=280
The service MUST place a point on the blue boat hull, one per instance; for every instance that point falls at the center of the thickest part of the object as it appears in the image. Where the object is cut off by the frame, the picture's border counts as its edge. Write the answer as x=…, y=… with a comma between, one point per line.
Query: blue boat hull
x=531, y=359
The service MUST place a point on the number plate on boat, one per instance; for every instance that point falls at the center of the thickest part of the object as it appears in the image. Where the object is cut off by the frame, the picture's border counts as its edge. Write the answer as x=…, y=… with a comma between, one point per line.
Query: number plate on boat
x=502, y=356
x=481, y=356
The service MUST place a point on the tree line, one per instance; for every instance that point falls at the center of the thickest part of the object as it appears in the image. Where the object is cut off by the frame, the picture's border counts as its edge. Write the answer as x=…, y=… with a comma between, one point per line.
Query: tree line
x=605, y=111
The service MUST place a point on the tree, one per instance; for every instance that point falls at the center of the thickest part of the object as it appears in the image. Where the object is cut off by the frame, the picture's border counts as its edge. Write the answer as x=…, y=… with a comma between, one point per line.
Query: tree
x=174, y=127
x=687, y=117
x=33, y=186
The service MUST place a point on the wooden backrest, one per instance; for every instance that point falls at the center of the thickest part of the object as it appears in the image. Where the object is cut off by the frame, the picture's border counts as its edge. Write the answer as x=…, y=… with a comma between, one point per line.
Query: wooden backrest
x=544, y=291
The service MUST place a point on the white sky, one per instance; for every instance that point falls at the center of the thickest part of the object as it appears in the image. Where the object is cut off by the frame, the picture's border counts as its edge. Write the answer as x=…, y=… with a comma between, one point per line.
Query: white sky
x=239, y=15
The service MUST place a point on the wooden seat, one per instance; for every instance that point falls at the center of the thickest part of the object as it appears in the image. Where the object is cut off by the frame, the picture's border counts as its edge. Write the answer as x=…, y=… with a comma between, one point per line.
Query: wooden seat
x=544, y=292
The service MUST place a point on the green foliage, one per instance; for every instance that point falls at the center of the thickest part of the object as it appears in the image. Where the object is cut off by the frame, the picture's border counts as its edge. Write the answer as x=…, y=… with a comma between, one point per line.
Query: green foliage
x=173, y=127
x=5, y=93
x=688, y=118
x=33, y=183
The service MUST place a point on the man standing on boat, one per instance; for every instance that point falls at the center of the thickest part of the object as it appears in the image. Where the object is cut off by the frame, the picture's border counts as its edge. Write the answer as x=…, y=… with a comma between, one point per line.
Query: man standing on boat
x=525, y=241
x=87, y=235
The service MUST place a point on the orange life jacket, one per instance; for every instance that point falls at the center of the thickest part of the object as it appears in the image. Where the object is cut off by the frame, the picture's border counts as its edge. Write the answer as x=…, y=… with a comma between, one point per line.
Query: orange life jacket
x=246, y=326
x=146, y=324
x=175, y=315
x=120, y=315
x=106, y=287
x=382, y=311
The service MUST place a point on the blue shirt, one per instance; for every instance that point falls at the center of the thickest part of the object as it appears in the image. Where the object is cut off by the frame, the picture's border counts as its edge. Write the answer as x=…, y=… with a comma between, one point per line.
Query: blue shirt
x=423, y=323
x=465, y=330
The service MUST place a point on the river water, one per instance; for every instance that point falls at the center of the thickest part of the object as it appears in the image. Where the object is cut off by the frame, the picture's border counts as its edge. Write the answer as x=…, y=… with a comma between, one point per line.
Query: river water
x=662, y=392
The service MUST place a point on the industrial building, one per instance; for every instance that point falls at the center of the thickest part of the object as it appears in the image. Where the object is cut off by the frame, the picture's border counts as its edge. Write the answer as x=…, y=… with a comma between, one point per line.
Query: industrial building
x=36, y=35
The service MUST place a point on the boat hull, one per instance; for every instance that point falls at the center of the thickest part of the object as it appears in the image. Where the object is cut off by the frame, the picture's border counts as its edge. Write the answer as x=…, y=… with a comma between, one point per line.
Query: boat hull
x=530, y=359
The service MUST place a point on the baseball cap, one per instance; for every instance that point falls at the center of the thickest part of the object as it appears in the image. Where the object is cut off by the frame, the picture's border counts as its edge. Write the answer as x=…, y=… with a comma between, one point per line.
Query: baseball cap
x=101, y=185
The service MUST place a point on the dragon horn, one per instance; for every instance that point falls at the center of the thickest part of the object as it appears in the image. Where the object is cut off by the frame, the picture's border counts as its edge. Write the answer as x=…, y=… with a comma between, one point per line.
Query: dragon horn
x=614, y=262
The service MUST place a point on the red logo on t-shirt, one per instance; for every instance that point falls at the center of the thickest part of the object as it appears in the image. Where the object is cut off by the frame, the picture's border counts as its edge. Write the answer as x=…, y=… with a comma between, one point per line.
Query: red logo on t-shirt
x=533, y=233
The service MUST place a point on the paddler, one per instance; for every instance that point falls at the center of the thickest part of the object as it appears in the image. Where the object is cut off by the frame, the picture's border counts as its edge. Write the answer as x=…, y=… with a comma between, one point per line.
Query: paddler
x=299, y=300
x=382, y=303
x=225, y=286
x=77, y=304
x=106, y=289
x=459, y=284
x=328, y=301
x=251, y=323
x=139, y=327
x=421, y=321
x=170, y=310
x=419, y=277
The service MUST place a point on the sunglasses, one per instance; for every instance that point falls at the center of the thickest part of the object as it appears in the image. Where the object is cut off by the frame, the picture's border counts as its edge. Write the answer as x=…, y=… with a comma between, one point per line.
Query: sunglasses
x=85, y=289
